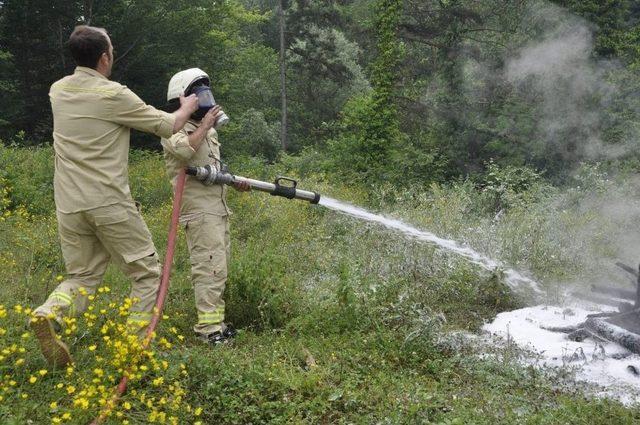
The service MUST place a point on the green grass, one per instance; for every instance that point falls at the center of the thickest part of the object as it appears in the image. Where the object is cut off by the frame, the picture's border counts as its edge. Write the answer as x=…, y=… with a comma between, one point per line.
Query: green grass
x=342, y=322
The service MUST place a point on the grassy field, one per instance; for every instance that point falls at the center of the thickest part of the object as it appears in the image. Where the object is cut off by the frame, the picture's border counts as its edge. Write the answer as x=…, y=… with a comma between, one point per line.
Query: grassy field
x=341, y=321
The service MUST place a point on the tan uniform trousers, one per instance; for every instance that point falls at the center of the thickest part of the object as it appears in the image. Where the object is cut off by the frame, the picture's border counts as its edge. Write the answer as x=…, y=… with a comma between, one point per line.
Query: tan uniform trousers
x=209, y=249
x=89, y=239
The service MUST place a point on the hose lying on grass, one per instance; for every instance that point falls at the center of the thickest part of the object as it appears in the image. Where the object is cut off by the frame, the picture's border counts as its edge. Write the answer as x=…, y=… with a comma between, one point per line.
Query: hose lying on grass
x=162, y=295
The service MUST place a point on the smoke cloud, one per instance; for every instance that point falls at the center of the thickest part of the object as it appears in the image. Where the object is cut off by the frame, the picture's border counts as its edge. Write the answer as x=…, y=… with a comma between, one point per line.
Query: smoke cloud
x=580, y=112
x=572, y=90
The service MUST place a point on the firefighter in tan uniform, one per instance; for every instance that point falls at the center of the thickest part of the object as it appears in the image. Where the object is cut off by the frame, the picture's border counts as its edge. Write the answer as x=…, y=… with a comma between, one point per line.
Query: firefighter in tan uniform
x=204, y=212
x=98, y=220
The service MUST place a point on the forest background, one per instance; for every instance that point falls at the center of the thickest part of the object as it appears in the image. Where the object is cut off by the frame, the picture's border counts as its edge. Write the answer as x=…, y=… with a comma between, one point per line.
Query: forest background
x=419, y=91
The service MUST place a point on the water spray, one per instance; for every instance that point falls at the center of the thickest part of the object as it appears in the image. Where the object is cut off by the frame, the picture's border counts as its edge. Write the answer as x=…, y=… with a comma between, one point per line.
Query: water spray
x=210, y=175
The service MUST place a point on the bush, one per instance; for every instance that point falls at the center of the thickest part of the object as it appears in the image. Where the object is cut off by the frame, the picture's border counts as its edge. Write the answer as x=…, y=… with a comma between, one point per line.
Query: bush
x=260, y=292
x=508, y=186
x=28, y=172
x=251, y=135
x=148, y=178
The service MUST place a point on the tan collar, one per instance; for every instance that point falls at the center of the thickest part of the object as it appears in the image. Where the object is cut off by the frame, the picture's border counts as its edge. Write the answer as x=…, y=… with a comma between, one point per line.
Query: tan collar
x=89, y=71
x=191, y=124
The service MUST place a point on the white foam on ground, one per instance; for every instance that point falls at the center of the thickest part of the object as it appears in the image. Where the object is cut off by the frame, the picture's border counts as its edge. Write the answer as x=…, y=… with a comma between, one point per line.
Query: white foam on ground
x=524, y=328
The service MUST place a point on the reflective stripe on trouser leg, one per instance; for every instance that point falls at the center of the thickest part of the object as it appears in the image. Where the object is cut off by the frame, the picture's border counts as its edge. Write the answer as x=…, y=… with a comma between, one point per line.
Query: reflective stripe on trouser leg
x=68, y=300
x=63, y=298
x=58, y=303
x=214, y=318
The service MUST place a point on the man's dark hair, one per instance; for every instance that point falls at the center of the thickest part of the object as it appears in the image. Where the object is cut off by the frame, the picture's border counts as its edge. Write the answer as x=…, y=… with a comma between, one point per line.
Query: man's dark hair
x=87, y=44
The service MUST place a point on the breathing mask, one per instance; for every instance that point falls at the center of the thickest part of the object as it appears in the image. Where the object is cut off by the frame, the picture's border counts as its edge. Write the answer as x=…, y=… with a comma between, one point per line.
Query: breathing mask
x=193, y=81
x=206, y=102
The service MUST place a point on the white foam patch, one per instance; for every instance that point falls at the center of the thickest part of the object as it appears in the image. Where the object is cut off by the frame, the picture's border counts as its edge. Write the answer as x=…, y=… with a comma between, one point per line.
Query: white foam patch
x=592, y=362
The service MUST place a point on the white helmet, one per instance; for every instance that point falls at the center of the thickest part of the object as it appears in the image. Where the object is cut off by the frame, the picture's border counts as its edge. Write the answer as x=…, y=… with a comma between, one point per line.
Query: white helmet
x=181, y=81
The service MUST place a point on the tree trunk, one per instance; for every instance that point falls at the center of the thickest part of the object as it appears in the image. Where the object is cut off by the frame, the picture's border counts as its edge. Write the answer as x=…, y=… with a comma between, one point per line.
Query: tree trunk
x=61, y=47
x=88, y=11
x=283, y=82
x=627, y=339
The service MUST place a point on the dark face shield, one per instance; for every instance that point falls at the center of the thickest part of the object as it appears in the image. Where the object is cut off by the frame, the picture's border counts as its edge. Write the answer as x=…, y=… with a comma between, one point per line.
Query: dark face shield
x=205, y=97
x=206, y=102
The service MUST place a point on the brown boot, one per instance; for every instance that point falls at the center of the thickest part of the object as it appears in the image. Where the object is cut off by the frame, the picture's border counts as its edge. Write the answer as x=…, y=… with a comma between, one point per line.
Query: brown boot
x=54, y=350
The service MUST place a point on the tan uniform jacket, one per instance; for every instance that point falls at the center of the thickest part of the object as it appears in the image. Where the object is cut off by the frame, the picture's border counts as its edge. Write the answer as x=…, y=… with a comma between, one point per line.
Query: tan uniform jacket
x=197, y=197
x=91, y=127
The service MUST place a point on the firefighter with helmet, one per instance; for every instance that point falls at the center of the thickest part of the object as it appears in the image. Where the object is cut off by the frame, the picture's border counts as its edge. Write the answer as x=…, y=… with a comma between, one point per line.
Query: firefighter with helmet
x=204, y=212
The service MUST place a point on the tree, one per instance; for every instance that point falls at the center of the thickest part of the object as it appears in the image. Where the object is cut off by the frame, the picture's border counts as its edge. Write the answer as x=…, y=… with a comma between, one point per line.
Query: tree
x=283, y=77
x=32, y=34
x=370, y=129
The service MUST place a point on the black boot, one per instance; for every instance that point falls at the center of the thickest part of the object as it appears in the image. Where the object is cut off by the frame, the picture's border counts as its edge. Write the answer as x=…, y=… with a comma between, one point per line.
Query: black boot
x=229, y=331
x=217, y=338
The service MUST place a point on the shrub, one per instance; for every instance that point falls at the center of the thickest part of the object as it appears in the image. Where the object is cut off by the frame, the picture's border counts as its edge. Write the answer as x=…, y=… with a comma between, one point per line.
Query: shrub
x=28, y=172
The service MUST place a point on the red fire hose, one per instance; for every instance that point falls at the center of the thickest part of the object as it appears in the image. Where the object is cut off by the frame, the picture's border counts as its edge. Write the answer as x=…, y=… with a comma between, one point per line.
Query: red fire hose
x=162, y=294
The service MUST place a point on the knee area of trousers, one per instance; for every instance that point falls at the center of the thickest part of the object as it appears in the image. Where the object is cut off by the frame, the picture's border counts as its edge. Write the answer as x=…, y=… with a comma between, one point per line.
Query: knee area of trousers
x=209, y=265
x=145, y=268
